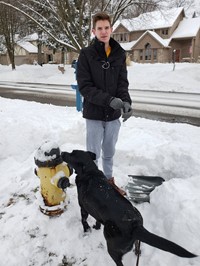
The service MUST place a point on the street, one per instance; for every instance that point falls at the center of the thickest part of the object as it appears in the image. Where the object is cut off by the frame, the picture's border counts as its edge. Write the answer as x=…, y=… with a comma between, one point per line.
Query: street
x=163, y=106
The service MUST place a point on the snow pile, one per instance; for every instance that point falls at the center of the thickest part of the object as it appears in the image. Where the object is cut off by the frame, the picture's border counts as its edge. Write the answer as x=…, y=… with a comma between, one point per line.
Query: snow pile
x=28, y=237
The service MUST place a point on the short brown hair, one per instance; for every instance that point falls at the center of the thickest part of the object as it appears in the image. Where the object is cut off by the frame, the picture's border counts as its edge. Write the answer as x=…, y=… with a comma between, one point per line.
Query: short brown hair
x=100, y=16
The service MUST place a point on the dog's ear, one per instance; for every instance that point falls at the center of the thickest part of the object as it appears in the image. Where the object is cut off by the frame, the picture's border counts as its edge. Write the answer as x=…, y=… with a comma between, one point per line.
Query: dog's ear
x=92, y=155
x=82, y=156
x=78, y=156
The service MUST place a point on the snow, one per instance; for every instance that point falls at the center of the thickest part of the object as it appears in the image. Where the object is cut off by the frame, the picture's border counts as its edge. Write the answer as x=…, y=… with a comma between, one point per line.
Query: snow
x=43, y=154
x=163, y=42
x=127, y=46
x=29, y=47
x=159, y=76
x=145, y=147
x=150, y=21
x=187, y=28
x=31, y=37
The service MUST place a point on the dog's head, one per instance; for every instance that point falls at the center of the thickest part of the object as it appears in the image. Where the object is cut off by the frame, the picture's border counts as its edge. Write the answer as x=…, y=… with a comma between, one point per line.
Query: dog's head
x=81, y=161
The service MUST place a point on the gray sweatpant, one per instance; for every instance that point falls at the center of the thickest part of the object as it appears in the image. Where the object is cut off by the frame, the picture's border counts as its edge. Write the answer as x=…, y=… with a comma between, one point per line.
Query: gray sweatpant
x=103, y=136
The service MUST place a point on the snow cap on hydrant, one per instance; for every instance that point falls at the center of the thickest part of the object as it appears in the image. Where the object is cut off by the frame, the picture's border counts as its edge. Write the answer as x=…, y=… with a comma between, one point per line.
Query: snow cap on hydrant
x=48, y=155
x=53, y=174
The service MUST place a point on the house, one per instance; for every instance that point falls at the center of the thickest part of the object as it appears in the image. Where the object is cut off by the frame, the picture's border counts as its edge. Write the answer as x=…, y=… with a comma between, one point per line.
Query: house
x=26, y=52
x=160, y=36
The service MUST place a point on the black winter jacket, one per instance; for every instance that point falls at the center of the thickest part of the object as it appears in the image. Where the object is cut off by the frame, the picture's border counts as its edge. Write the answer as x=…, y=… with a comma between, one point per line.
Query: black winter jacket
x=100, y=78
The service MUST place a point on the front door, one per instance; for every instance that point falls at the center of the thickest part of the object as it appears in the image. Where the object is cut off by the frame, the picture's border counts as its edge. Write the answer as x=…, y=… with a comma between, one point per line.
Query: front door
x=177, y=55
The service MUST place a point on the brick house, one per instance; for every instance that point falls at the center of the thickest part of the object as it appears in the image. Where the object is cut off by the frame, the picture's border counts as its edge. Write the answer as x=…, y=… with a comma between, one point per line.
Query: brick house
x=160, y=37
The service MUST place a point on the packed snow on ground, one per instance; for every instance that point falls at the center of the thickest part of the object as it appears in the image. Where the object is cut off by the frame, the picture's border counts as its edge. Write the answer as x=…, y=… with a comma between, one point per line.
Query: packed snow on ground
x=145, y=147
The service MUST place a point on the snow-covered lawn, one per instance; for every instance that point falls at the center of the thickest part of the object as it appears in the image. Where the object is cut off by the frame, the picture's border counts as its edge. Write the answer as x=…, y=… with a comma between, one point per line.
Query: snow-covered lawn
x=185, y=78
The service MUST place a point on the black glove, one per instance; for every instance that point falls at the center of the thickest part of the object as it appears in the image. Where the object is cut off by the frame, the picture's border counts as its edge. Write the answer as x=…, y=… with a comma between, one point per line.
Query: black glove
x=127, y=111
x=63, y=183
x=116, y=103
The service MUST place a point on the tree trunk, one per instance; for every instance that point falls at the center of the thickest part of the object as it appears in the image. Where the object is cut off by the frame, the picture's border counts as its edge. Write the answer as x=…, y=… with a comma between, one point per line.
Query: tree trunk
x=40, y=61
x=12, y=58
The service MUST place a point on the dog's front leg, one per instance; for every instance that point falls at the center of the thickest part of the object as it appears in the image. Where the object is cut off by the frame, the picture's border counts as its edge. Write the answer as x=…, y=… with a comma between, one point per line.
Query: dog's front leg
x=84, y=216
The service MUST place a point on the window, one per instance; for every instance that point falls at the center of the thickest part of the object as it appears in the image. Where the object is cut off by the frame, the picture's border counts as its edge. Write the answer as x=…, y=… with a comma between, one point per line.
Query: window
x=121, y=37
x=116, y=37
x=125, y=37
x=155, y=54
x=164, y=31
x=148, y=51
x=141, y=55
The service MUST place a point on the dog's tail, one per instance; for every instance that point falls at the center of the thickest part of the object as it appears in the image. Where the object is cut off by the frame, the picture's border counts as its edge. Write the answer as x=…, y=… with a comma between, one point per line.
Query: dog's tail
x=156, y=241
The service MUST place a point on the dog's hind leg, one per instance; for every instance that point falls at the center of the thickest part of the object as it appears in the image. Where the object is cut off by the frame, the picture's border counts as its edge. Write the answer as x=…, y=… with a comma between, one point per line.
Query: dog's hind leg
x=116, y=256
x=84, y=216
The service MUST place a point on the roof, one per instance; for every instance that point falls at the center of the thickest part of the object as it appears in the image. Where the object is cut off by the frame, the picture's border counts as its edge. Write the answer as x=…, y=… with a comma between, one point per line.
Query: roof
x=28, y=47
x=151, y=20
x=31, y=37
x=127, y=46
x=163, y=42
x=188, y=27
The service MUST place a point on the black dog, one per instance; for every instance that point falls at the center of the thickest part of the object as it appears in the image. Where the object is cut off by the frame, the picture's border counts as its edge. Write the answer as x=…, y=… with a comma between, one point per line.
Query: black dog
x=123, y=223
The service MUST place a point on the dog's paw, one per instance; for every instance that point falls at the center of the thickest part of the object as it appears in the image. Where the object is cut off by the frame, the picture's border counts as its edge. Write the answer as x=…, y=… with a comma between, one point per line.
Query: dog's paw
x=87, y=232
x=97, y=226
x=86, y=228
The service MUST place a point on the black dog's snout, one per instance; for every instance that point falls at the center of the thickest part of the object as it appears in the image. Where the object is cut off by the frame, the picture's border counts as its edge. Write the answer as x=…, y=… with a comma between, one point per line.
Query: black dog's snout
x=66, y=157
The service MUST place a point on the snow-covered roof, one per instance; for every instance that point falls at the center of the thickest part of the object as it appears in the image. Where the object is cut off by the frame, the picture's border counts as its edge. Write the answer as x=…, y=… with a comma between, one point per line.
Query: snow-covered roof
x=28, y=47
x=151, y=20
x=188, y=27
x=127, y=46
x=31, y=37
x=163, y=42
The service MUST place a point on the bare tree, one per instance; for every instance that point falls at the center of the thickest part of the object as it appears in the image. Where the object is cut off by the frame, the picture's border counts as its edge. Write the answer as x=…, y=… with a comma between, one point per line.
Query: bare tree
x=9, y=24
x=68, y=22
x=181, y=3
x=140, y=7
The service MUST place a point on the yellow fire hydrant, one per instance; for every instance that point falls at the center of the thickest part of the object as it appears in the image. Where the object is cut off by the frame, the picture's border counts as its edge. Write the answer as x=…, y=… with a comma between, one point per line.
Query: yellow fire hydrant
x=54, y=178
